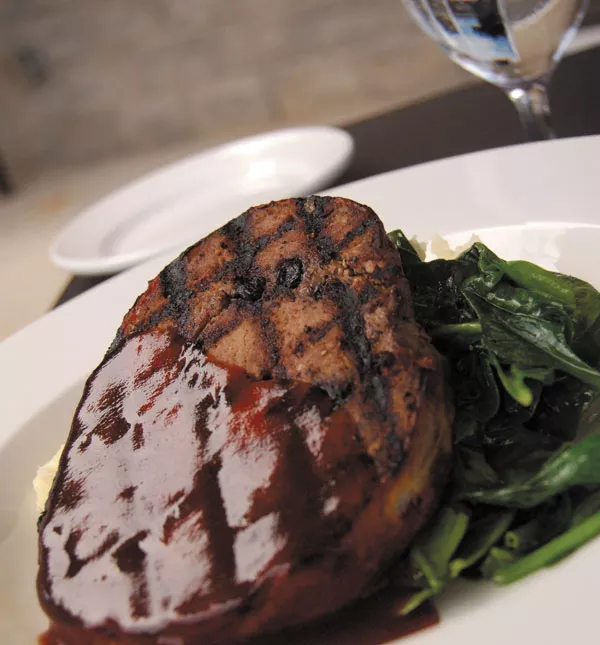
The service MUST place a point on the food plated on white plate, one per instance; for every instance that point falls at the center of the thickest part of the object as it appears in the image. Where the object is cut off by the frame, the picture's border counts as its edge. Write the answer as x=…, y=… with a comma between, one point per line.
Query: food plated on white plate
x=272, y=435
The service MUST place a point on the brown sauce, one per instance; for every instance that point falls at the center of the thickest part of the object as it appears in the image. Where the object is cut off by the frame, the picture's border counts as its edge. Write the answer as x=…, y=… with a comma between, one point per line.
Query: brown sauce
x=373, y=621
x=262, y=475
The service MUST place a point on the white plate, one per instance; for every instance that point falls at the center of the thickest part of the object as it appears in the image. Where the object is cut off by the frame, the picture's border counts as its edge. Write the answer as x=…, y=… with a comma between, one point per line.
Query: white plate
x=175, y=205
x=542, y=202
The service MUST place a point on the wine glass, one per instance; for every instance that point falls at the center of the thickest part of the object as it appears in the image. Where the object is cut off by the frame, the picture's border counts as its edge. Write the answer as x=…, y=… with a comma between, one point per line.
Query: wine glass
x=514, y=44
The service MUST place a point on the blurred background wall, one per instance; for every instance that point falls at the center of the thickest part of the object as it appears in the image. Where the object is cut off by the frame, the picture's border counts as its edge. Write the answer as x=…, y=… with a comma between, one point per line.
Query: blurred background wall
x=86, y=80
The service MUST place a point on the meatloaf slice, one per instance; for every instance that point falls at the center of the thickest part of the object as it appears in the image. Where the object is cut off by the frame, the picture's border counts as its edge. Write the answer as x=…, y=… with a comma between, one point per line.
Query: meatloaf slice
x=266, y=434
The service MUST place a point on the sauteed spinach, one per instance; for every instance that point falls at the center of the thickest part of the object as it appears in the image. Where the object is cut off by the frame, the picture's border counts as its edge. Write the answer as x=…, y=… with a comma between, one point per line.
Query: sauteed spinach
x=523, y=350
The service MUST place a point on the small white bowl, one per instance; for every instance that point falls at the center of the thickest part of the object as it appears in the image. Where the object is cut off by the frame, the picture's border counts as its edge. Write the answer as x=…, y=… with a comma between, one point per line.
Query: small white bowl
x=178, y=204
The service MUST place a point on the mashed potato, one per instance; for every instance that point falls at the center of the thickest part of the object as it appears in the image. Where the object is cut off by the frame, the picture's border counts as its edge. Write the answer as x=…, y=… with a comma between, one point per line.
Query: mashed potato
x=43, y=480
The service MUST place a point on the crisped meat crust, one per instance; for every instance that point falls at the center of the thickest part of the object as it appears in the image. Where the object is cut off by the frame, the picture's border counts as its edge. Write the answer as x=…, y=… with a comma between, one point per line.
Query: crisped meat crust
x=303, y=291
x=306, y=289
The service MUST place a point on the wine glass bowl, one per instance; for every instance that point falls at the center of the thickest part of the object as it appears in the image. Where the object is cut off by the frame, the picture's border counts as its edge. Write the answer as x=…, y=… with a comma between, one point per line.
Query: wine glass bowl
x=514, y=44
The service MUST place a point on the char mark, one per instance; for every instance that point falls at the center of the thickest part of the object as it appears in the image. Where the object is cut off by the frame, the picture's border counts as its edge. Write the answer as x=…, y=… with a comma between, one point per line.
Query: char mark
x=314, y=210
x=270, y=335
x=355, y=338
x=356, y=232
x=76, y=563
x=173, y=281
x=290, y=272
x=209, y=339
x=249, y=287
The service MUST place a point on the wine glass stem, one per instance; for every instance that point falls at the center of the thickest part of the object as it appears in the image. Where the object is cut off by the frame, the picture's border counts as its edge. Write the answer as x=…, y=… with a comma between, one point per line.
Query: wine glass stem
x=533, y=107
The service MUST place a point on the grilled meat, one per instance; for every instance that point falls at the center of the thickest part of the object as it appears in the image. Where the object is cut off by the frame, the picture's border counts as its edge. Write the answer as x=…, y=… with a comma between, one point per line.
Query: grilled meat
x=266, y=434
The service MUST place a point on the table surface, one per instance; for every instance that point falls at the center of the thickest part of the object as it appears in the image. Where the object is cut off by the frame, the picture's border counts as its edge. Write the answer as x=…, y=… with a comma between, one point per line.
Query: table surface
x=477, y=118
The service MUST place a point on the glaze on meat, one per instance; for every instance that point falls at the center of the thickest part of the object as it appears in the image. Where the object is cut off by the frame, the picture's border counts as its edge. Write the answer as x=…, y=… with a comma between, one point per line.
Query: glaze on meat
x=265, y=435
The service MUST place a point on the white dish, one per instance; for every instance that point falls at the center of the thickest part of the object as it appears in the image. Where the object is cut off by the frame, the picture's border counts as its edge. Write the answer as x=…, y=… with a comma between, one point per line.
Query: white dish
x=177, y=204
x=541, y=201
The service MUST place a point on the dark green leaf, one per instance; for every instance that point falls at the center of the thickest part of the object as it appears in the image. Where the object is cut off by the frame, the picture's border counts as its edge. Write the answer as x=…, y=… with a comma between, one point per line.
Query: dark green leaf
x=431, y=553
x=565, y=409
x=531, y=338
x=587, y=507
x=480, y=538
x=551, y=286
x=514, y=383
x=434, y=548
x=472, y=471
x=550, y=553
x=496, y=559
x=523, y=346
x=576, y=464
x=579, y=297
x=548, y=521
x=407, y=251
x=476, y=394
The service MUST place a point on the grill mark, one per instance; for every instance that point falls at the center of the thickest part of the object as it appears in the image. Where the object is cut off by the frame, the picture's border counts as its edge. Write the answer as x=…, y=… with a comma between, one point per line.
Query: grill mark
x=71, y=494
x=295, y=480
x=354, y=337
x=130, y=559
x=128, y=556
x=241, y=266
x=315, y=334
x=206, y=494
x=249, y=288
x=368, y=293
x=173, y=281
x=213, y=337
x=246, y=250
x=76, y=563
x=139, y=599
x=221, y=535
x=236, y=232
x=270, y=335
x=312, y=211
x=359, y=230
x=116, y=344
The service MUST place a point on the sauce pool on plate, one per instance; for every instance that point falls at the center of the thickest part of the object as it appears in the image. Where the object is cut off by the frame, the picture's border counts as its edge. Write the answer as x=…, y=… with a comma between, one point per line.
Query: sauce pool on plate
x=371, y=621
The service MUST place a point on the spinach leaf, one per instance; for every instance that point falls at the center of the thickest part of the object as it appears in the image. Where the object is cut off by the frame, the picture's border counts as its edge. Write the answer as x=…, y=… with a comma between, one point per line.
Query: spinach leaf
x=575, y=464
x=479, y=539
x=431, y=553
x=472, y=471
x=496, y=560
x=566, y=409
x=547, y=521
x=530, y=335
x=436, y=285
x=476, y=393
x=586, y=507
x=579, y=297
x=550, y=553
x=523, y=348
x=407, y=251
x=449, y=546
